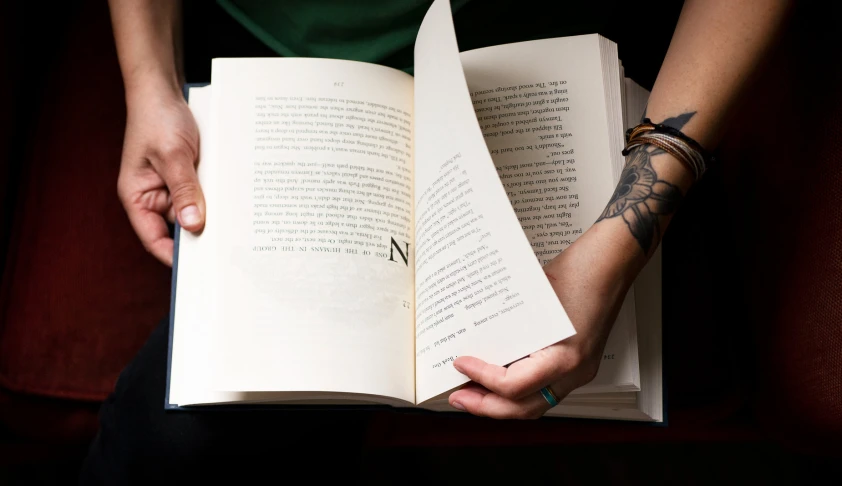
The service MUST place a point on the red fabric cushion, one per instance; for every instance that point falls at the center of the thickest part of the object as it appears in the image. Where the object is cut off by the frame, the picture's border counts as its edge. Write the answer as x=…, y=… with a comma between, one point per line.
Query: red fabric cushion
x=785, y=193
x=80, y=292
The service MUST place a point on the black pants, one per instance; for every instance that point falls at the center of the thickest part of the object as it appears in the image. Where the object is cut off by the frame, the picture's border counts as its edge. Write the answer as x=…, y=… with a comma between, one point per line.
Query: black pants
x=141, y=443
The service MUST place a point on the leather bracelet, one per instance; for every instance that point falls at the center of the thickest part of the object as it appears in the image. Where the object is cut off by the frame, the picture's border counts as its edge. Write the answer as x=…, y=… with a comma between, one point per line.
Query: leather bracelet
x=688, y=151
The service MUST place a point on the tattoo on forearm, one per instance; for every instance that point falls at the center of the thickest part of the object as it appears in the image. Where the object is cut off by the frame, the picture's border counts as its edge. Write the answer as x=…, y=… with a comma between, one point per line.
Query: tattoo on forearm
x=641, y=197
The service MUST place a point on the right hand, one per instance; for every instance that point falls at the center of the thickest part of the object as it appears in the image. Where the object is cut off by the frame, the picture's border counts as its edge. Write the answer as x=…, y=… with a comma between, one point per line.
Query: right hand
x=158, y=170
x=591, y=278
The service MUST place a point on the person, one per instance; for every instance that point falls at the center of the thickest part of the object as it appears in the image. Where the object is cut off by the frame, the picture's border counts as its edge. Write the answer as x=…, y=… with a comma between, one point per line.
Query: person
x=715, y=48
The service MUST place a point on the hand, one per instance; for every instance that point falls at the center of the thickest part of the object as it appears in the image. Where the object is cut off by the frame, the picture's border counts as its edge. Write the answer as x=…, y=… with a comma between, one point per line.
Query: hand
x=591, y=287
x=157, y=172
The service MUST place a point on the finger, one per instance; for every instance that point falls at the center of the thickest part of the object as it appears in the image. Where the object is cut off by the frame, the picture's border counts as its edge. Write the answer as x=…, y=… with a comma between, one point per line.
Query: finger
x=171, y=214
x=152, y=231
x=177, y=167
x=476, y=387
x=494, y=406
x=145, y=199
x=518, y=380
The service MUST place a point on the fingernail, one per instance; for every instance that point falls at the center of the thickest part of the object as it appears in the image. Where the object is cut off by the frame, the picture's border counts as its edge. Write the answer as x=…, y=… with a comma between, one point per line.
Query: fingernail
x=190, y=215
x=458, y=368
x=458, y=406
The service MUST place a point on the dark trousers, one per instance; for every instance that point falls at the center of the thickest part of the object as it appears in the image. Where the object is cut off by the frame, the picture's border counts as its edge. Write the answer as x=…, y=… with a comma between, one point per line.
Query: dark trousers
x=141, y=443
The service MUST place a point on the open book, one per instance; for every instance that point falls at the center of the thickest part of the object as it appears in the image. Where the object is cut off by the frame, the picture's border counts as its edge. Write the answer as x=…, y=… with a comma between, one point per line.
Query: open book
x=365, y=227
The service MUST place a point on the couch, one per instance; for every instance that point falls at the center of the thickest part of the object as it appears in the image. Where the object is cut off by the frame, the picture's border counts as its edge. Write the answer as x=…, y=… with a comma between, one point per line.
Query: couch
x=752, y=263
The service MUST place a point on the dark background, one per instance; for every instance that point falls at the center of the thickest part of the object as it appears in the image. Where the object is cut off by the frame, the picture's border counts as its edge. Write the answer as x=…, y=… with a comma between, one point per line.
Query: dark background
x=752, y=263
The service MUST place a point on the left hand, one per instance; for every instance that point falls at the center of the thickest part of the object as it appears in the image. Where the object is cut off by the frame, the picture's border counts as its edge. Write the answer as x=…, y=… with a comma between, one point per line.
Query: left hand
x=591, y=278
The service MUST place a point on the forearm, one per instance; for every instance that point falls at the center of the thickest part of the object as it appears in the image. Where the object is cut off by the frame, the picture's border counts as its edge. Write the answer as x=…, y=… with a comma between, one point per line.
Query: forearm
x=716, y=48
x=148, y=38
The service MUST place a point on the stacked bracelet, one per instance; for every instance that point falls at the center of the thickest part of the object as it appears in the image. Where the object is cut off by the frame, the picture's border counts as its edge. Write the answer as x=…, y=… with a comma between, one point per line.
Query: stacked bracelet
x=689, y=152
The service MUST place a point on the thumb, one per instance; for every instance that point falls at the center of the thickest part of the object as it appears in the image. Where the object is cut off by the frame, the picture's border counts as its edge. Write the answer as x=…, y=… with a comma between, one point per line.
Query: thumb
x=179, y=172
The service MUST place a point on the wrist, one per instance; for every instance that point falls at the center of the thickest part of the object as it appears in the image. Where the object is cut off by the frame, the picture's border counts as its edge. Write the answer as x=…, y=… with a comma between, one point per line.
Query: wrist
x=143, y=84
x=603, y=259
x=617, y=252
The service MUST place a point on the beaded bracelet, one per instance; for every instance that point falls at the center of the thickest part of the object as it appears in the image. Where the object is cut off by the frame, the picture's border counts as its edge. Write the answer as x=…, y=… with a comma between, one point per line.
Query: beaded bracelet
x=688, y=151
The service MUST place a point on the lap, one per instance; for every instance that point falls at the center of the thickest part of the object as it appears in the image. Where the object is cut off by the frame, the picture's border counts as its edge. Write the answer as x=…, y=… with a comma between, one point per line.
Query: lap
x=141, y=442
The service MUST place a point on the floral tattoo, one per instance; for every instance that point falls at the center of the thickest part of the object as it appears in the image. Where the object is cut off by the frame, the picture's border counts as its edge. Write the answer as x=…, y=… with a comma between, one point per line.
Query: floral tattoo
x=641, y=198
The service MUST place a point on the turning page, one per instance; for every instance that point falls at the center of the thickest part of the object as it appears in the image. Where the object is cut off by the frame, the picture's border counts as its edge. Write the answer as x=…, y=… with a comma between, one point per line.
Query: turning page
x=314, y=164
x=479, y=289
x=546, y=109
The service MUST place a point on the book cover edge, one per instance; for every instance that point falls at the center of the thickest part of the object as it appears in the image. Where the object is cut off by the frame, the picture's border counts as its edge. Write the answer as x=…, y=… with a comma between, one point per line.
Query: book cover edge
x=176, y=236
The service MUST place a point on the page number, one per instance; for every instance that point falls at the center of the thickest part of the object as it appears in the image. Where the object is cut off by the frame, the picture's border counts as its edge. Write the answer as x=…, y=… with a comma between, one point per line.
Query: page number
x=338, y=84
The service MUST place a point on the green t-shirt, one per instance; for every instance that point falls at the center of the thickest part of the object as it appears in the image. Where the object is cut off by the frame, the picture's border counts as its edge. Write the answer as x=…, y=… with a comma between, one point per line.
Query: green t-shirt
x=379, y=31
x=384, y=31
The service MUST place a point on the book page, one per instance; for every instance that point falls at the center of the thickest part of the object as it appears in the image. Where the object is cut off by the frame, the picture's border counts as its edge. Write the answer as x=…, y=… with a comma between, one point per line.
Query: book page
x=193, y=267
x=190, y=372
x=314, y=280
x=479, y=289
x=543, y=112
